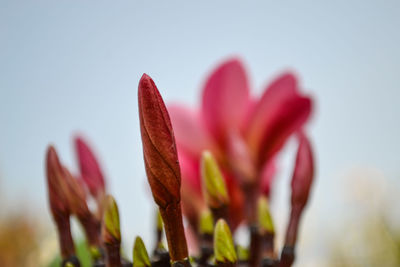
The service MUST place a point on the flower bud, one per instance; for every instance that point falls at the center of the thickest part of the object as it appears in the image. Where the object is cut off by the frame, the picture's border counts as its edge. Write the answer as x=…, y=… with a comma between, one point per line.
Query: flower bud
x=77, y=203
x=140, y=256
x=162, y=166
x=57, y=187
x=224, y=249
x=206, y=225
x=159, y=149
x=303, y=174
x=110, y=233
x=214, y=188
x=89, y=167
x=264, y=216
x=110, y=230
x=58, y=199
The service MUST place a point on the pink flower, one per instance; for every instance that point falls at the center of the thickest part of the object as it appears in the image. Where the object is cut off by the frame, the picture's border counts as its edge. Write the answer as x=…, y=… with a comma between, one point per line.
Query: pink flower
x=89, y=168
x=303, y=174
x=243, y=132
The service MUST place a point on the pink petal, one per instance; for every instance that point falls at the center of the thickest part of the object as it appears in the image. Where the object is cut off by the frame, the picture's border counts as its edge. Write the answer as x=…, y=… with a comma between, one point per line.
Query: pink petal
x=89, y=167
x=288, y=119
x=303, y=174
x=225, y=99
x=280, y=112
x=268, y=177
x=240, y=160
x=280, y=90
x=190, y=132
x=190, y=170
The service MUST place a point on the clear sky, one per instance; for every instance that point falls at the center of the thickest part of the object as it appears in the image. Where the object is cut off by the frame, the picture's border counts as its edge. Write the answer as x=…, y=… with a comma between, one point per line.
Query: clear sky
x=71, y=67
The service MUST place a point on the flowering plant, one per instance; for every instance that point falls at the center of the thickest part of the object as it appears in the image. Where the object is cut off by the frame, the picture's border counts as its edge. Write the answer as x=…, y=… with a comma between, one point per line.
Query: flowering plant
x=218, y=171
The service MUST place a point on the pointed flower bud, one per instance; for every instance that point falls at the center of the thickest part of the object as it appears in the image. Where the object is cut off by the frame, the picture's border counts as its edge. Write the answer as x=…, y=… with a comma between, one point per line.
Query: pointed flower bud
x=303, y=174
x=161, y=163
x=111, y=231
x=56, y=184
x=76, y=196
x=224, y=249
x=264, y=216
x=89, y=167
x=77, y=203
x=206, y=225
x=58, y=199
x=214, y=188
x=159, y=149
x=140, y=256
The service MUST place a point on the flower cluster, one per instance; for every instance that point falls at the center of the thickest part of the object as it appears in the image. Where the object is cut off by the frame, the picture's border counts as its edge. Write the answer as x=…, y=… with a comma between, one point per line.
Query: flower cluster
x=217, y=173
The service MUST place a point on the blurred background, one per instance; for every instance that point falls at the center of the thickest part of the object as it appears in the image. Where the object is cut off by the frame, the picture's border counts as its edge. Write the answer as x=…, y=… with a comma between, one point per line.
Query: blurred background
x=72, y=67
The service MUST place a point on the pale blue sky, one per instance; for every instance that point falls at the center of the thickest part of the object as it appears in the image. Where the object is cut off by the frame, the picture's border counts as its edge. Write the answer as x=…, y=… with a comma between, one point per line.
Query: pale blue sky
x=74, y=66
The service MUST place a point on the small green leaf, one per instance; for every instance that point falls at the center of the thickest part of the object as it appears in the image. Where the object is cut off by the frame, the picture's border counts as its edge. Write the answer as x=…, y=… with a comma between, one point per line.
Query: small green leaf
x=140, y=256
x=111, y=218
x=206, y=225
x=214, y=188
x=224, y=248
x=264, y=216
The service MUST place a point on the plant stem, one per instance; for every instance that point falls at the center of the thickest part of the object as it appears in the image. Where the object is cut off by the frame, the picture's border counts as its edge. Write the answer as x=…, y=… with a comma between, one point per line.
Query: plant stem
x=288, y=252
x=220, y=213
x=172, y=218
x=206, y=249
x=113, y=258
x=255, y=246
x=64, y=235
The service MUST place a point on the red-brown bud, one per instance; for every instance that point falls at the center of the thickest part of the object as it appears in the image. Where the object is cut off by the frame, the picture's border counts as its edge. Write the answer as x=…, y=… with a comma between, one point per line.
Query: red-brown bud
x=159, y=149
x=58, y=199
x=161, y=163
x=89, y=167
x=303, y=174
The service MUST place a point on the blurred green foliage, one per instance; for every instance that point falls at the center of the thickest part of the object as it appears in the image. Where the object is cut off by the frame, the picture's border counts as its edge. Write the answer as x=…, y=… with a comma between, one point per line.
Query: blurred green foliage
x=82, y=253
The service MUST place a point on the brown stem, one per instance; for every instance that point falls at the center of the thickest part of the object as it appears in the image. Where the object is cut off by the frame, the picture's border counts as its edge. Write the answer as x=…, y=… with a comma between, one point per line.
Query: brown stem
x=226, y=264
x=172, y=217
x=251, y=195
x=287, y=256
x=288, y=252
x=267, y=248
x=291, y=232
x=220, y=213
x=113, y=257
x=206, y=248
x=92, y=229
x=64, y=235
x=267, y=245
x=255, y=246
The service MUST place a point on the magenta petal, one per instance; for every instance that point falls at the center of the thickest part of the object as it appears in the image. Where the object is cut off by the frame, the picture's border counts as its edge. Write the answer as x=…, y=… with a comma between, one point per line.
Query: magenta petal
x=225, y=99
x=190, y=132
x=264, y=111
x=89, y=167
x=288, y=119
x=303, y=174
x=240, y=159
x=190, y=170
x=267, y=177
